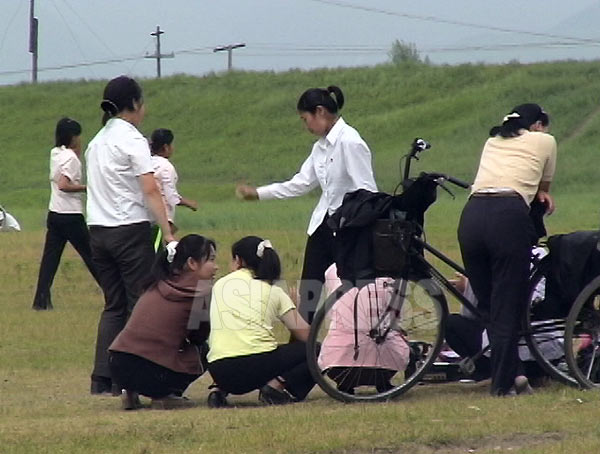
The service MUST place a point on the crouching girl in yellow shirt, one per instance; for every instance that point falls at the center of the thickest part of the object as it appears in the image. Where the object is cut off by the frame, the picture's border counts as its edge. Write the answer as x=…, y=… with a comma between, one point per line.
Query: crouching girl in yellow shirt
x=244, y=354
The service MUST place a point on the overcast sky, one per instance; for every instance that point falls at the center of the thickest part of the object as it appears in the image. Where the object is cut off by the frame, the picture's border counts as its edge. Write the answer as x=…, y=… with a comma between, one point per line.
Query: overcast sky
x=284, y=34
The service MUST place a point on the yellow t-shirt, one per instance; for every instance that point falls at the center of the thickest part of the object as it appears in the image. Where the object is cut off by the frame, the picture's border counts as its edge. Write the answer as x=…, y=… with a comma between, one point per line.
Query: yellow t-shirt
x=519, y=163
x=242, y=313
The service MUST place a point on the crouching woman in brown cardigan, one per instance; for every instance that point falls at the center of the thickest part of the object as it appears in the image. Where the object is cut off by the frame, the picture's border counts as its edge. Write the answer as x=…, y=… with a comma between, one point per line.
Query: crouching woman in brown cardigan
x=156, y=354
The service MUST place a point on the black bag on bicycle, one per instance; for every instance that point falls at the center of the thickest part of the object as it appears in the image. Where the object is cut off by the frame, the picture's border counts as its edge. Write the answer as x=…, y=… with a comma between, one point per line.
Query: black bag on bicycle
x=574, y=262
x=370, y=239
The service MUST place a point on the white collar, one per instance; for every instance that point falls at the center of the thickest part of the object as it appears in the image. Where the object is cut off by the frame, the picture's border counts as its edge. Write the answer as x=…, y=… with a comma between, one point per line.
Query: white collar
x=335, y=131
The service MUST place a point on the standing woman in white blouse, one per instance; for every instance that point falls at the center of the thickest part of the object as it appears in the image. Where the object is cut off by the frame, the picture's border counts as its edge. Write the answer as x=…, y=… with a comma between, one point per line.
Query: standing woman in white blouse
x=162, y=148
x=121, y=191
x=340, y=162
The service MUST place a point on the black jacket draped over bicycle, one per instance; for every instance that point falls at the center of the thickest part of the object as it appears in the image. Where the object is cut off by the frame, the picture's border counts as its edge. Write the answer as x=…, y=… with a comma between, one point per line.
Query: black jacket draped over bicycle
x=353, y=224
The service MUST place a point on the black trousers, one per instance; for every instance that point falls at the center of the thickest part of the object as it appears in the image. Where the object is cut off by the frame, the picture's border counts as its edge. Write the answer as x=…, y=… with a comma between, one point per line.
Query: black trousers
x=61, y=228
x=123, y=257
x=463, y=335
x=147, y=378
x=318, y=256
x=242, y=374
x=495, y=236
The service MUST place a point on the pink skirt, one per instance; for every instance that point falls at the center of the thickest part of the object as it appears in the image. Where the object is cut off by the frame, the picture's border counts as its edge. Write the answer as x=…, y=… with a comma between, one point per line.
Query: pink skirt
x=348, y=342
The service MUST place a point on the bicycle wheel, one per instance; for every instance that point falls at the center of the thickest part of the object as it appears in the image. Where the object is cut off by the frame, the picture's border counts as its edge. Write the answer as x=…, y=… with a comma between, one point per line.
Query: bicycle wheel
x=365, y=350
x=582, y=336
x=544, y=329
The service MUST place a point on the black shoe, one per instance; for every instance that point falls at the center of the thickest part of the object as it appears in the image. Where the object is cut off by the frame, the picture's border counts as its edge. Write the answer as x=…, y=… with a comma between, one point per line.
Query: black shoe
x=271, y=396
x=130, y=400
x=102, y=386
x=216, y=399
x=384, y=386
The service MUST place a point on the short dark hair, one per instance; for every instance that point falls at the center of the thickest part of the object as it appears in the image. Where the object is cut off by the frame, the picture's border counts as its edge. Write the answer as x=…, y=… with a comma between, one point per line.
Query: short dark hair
x=119, y=95
x=520, y=117
x=314, y=97
x=66, y=129
x=266, y=268
x=159, y=138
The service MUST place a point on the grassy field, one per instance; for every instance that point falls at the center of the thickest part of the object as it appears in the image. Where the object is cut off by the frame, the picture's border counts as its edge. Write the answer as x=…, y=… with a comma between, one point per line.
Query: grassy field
x=242, y=127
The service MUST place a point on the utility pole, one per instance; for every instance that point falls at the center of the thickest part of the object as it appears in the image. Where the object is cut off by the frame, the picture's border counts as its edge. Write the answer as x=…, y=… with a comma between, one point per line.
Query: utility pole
x=157, y=54
x=33, y=41
x=229, y=48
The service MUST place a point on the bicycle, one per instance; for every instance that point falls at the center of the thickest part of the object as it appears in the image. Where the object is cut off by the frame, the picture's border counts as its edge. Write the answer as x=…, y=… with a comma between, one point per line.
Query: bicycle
x=414, y=312
x=582, y=336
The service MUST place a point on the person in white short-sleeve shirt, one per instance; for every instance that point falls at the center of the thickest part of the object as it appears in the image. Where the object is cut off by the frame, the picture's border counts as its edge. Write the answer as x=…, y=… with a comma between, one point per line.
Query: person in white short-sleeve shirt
x=162, y=148
x=122, y=198
x=65, y=220
x=64, y=162
x=116, y=157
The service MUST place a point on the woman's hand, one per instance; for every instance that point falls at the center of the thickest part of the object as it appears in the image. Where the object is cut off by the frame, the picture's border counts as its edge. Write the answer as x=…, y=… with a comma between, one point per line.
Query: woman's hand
x=168, y=238
x=459, y=282
x=545, y=198
x=245, y=192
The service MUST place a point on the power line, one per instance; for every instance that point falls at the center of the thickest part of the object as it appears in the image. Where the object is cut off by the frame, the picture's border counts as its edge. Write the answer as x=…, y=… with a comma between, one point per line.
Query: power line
x=292, y=50
x=10, y=22
x=74, y=65
x=88, y=27
x=198, y=50
x=145, y=51
x=507, y=46
x=440, y=20
x=70, y=30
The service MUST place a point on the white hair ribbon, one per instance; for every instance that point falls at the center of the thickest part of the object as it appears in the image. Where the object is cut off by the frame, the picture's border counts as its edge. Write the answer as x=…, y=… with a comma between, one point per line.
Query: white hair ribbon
x=260, y=249
x=511, y=115
x=171, y=251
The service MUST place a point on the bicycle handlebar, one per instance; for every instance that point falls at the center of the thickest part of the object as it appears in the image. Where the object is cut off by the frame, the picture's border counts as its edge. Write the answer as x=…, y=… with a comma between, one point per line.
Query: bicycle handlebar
x=457, y=182
x=449, y=178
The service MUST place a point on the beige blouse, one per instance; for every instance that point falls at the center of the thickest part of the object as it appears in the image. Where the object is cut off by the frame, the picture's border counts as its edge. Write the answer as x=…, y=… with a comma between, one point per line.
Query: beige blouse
x=518, y=163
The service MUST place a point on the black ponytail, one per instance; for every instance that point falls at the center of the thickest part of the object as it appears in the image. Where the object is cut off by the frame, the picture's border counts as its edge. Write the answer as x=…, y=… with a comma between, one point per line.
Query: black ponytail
x=314, y=97
x=120, y=94
x=192, y=246
x=521, y=117
x=266, y=268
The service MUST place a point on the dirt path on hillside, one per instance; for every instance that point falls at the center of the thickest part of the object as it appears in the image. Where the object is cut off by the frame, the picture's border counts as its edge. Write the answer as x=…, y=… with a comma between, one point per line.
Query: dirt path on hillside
x=579, y=130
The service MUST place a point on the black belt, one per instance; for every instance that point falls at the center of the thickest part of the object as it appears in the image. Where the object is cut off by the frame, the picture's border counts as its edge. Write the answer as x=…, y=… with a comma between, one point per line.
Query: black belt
x=496, y=194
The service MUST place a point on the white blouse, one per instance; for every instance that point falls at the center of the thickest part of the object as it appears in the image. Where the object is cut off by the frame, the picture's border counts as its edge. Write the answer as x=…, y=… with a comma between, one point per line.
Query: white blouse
x=339, y=162
x=166, y=178
x=115, y=158
x=64, y=161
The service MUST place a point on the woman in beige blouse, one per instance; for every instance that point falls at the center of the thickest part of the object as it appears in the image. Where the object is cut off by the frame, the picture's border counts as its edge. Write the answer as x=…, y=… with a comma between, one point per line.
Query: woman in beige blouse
x=496, y=232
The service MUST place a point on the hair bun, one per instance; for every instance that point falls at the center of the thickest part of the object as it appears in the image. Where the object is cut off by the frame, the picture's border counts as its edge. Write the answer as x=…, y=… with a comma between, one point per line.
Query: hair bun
x=109, y=106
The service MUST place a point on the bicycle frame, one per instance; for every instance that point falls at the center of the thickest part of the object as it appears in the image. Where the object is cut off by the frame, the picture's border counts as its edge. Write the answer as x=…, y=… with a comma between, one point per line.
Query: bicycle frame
x=439, y=277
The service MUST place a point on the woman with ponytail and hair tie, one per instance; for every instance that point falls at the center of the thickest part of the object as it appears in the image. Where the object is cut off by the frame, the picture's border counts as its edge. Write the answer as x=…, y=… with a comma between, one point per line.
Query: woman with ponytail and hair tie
x=496, y=232
x=340, y=162
x=157, y=354
x=122, y=198
x=244, y=354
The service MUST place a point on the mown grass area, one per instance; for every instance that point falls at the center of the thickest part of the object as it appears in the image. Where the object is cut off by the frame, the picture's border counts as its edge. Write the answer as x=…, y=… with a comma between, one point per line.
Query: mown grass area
x=242, y=127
